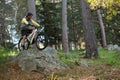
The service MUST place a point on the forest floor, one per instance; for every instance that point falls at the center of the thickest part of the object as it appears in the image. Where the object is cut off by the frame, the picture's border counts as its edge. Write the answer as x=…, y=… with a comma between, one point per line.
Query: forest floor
x=92, y=72
x=107, y=67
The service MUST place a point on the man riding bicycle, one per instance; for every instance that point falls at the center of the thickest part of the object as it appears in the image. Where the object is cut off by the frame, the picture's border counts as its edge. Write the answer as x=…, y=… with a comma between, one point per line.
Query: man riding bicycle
x=26, y=27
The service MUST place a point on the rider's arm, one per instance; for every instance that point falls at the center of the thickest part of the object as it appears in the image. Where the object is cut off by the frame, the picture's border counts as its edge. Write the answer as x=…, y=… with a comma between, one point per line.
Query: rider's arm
x=24, y=21
x=35, y=23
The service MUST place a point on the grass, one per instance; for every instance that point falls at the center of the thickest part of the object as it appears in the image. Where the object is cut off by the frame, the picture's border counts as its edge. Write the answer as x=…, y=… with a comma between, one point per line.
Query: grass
x=70, y=58
x=105, y=57
x=5, y=52
x=4, y=56
x=110, y=57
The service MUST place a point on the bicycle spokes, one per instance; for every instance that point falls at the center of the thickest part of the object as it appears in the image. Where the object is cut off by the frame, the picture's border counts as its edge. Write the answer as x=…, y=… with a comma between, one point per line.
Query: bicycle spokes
x=21, y=46
x=41, y=41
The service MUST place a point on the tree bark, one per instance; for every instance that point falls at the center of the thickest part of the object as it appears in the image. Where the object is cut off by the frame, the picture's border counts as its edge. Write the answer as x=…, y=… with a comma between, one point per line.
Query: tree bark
x=64, y=26
x=53, y=1
x=88, y=28
x=2, y=35
x=32, y=8
x=2, y=25
x=103, y=37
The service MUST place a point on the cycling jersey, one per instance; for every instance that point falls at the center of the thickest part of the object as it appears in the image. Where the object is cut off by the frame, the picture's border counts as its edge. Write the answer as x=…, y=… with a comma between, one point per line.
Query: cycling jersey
x=25, y=28
x=25, y=22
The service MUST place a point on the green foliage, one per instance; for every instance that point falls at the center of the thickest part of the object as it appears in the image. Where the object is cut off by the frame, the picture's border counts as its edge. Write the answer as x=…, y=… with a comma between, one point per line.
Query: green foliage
x=112, y=6
x=74, y=21
x=112, y=29
x=50, y=16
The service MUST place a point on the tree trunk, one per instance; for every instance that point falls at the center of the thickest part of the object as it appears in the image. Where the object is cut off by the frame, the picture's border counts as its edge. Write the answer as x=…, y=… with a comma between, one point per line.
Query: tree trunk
x=89, y=34
x=53, y=1
x=32, y=8
x=2, y=35
x=103, y=37
x=73, y=27
x=64, y=26
x=2, y=25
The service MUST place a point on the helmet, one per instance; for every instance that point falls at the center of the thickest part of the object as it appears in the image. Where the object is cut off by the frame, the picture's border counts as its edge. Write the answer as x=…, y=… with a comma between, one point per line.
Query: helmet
x=29, y=14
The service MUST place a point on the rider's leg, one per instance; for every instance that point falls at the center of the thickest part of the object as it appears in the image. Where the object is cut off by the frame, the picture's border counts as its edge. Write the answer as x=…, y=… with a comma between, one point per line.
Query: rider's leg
x=23, y=32
x=23, y=40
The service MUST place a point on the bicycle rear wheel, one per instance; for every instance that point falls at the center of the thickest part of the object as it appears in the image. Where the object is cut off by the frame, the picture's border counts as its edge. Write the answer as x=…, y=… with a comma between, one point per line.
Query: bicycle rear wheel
x=26, y=46
x=41, y=41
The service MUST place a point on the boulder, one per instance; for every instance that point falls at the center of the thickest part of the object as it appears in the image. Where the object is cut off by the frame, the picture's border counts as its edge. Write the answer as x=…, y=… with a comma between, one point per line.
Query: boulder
x=82, y=63
x=118, y=48
x=110, y=47
x=46, y=60
x=113, y=47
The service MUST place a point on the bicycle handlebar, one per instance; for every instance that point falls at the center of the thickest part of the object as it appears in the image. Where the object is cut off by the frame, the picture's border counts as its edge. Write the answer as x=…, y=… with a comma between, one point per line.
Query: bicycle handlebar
x=40, y=30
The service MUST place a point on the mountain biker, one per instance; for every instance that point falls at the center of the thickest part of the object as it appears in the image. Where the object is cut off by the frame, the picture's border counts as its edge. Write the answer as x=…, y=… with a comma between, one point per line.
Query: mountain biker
x=27, y=24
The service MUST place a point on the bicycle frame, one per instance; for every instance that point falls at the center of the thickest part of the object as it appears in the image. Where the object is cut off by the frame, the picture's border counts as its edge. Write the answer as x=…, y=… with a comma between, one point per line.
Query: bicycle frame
x=39, y=36
x=31, y=36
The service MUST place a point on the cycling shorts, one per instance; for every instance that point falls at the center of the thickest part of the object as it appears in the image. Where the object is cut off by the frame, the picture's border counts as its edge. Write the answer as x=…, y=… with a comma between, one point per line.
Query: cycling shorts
x=26, y=32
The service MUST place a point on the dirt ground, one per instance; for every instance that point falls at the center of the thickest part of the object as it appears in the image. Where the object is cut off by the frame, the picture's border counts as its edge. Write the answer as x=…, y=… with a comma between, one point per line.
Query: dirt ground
x=93, y=72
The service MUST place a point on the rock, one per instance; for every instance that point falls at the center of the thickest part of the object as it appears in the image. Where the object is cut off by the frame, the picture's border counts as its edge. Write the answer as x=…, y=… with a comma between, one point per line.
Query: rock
x=35, y=60
x=27, y=64
x=82, y=63
x=118, y=48
x=110, y=47
x=113, y=47
x=51, y=51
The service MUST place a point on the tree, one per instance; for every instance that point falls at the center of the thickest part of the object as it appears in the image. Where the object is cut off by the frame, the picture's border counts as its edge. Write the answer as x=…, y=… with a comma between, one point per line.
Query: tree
x=75, y=27
x=64, y=26
x=88, y=28
x=5, y=19
x=32, y=8
x=103, y=37
x=112, y=6
x=49, y=14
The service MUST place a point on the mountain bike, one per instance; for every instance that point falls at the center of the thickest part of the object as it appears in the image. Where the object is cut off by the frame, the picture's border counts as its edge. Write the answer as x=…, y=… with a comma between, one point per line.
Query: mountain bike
x=38, y=37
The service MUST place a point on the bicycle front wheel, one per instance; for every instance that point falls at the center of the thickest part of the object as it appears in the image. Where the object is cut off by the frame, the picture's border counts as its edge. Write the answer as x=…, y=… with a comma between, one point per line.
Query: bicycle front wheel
x=26, y=46
x=41, y=41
